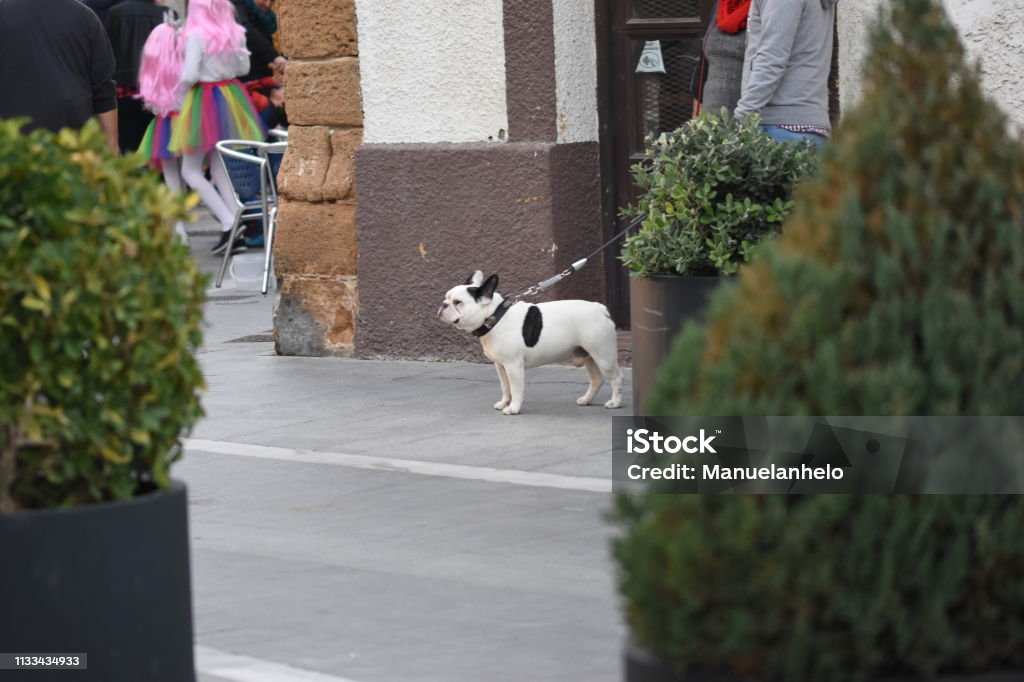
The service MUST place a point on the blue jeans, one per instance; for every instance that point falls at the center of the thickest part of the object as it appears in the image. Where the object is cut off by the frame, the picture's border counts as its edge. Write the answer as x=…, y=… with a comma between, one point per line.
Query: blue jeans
x=780, y=134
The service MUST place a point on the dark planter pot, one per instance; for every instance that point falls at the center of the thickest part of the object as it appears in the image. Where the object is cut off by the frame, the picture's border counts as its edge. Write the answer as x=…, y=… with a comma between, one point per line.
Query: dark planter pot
x=641, y=666
x=107, y=580
x=659, y=306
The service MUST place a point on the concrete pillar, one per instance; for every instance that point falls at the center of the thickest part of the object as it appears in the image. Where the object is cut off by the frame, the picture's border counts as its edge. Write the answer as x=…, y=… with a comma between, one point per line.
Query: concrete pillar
x=315, y=247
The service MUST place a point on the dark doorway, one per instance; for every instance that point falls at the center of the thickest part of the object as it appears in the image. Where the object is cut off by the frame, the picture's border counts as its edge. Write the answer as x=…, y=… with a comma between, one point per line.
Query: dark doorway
x=633, y=105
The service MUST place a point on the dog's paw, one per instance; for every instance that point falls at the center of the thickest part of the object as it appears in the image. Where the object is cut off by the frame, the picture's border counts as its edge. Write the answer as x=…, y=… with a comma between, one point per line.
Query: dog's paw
x=613, y=405
x=510, y=410
x=583, y=400
x=501, y=405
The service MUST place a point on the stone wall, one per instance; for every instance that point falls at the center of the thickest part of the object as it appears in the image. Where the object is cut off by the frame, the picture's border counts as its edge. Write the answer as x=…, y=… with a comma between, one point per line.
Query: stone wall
x=992, y=31
x=315, y=246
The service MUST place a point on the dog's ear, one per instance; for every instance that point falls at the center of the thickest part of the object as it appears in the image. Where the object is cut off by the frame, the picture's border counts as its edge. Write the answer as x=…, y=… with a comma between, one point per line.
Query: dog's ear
x=475, y=279
x=489, y=287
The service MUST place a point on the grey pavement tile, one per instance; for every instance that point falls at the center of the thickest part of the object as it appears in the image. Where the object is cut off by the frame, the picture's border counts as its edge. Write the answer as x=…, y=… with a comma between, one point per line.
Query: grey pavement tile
x=385, y=576
x=419, y=525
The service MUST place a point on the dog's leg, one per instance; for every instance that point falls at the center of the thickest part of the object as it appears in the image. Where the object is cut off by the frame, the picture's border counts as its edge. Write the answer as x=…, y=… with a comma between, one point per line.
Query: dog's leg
x=614, y=376
x=517, y=385
x=506, y=396
x=595, y=382
x=608, y=363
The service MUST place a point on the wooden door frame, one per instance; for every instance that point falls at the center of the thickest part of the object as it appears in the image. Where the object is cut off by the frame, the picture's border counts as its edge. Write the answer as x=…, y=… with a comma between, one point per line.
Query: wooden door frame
x=603, y=13
x=606, y=14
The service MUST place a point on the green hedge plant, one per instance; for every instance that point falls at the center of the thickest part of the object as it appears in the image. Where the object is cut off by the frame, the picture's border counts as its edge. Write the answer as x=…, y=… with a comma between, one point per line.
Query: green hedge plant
x=896, y=288
x=711, y=191
x=100, y=314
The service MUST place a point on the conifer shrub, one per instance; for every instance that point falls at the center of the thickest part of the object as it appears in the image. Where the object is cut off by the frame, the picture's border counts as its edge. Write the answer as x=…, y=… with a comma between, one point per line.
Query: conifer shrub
x=711, y=191
x=100, y=313
x=896, y=288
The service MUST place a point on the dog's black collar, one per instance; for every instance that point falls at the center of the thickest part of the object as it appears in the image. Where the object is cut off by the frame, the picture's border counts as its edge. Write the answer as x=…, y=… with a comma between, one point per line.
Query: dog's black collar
x=494, y=319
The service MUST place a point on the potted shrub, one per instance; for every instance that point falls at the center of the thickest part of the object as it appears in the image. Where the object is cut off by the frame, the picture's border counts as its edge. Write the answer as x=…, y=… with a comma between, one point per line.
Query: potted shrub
x=100, y=313
x=895, y=289
x=711, y=191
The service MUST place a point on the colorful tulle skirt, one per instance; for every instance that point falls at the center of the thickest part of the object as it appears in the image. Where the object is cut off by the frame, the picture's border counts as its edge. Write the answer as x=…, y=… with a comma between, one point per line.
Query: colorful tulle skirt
x=153, y=149
x=213, y=112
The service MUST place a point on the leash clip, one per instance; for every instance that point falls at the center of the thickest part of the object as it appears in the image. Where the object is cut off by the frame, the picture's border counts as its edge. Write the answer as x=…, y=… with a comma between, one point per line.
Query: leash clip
x=552, y=281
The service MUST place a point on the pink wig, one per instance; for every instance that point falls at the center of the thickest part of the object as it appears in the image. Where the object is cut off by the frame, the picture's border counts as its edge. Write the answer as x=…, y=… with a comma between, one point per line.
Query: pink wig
x=214, y=21
x=163, y=59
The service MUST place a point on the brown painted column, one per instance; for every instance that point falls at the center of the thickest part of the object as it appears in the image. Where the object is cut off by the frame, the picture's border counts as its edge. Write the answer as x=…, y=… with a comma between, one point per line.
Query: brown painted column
x=530, y=70
x=315, y=247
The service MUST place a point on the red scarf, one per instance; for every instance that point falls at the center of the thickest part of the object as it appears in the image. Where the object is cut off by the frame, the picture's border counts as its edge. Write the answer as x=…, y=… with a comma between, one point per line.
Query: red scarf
x=732, y=15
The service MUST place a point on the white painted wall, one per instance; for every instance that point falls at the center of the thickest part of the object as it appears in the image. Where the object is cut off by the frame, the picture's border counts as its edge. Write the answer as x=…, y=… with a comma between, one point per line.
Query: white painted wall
x=992, y=30
x=575, y=70
x=432, y=70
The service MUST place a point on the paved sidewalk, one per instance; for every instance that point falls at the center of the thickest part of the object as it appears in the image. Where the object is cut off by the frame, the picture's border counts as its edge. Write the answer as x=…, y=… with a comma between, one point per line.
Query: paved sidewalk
x=379, y=522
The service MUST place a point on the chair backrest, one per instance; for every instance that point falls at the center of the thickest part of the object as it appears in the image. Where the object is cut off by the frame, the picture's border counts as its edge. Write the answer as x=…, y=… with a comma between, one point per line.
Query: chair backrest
x=244, y=165
x=273, y=153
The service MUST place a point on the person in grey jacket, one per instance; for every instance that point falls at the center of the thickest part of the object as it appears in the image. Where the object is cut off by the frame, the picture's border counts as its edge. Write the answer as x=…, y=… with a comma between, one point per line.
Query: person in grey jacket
x=786, y=67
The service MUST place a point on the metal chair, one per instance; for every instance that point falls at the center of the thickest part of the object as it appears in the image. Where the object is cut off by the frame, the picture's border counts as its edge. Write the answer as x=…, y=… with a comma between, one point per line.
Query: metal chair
x=246, y=168
x=272, y=153
x=279, y=134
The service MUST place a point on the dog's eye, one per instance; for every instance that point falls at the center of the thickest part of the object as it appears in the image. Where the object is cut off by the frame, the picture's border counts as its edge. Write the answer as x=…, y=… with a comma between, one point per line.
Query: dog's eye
x=457, y=303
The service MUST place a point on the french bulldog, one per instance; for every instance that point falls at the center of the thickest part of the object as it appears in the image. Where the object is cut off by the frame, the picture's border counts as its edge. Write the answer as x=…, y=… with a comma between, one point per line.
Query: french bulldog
x=518, y=336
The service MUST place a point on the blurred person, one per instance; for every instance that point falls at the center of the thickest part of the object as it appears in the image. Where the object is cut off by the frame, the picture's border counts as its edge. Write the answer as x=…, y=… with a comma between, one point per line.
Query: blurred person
x=259, y=20
x=718, y=77
x=128, y=25
x=160, y=69
x=786, y=67
x=56, y=66
x=268, y=98
x=101, y=7
x=275, y=115
x=215, y=106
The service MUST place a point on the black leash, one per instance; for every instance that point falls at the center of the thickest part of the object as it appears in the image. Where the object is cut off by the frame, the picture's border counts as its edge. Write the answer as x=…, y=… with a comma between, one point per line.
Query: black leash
x=575, y=267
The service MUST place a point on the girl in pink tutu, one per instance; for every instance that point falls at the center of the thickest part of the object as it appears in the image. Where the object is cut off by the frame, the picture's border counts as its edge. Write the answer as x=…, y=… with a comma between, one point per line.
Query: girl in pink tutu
x=163, y=58
x=215, y=106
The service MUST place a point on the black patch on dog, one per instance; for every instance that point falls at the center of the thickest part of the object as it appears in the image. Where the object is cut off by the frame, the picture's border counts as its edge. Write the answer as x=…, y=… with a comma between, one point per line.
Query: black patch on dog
x=485, y=290
x=489, y=286
x=532, y=324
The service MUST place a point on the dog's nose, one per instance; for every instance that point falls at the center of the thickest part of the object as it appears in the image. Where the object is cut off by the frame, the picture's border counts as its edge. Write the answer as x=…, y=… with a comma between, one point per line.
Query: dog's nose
x=441, y=309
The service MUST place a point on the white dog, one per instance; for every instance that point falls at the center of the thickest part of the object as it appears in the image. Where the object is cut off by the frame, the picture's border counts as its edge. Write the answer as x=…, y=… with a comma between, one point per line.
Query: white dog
x=522, y=335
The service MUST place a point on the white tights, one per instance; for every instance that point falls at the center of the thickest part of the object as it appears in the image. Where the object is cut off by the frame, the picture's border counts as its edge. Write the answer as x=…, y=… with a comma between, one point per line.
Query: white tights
x=172, y=174
x=172, y=178
x=217, y=199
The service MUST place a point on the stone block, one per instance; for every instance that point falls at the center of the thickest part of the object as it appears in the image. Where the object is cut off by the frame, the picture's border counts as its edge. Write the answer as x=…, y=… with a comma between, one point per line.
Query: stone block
x=315, y=239
x=341, y=174
x=324, y=93
x=316, y=316
x=314, y=29
x=305, y=164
